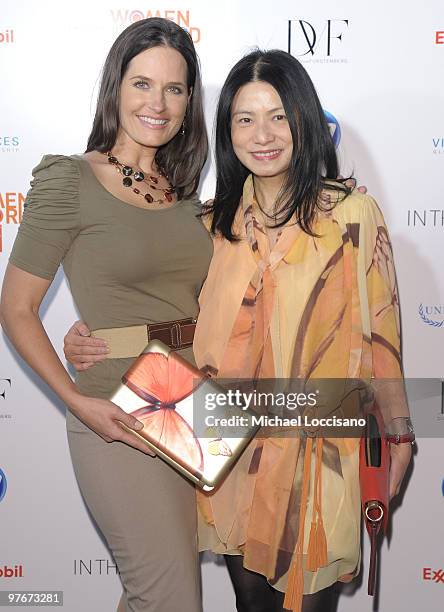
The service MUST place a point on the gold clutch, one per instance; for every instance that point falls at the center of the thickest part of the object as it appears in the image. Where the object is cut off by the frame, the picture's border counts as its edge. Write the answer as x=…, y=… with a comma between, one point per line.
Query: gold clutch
x=170, y=397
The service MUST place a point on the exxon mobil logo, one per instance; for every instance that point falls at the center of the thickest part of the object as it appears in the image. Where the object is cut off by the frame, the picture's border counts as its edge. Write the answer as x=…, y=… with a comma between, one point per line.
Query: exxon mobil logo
x=433, y=575
x=335, y=128
x=3, y=484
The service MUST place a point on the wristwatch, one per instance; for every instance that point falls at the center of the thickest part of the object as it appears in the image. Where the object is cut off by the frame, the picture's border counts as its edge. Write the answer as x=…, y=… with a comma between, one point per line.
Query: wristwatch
x=402, y=438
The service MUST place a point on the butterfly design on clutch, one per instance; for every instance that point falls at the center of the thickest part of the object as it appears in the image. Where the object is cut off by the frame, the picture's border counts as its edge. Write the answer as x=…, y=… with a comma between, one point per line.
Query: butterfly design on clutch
x=219, y=447
x=164, y=381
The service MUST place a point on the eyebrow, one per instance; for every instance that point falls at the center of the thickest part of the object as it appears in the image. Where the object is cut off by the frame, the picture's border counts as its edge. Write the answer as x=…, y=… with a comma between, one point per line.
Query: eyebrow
x=145, y=78
x=244, y=112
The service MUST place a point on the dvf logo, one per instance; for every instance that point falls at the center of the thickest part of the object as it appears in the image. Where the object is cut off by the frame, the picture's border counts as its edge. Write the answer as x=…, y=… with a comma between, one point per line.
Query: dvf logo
x=306, y=40
x=3, y=484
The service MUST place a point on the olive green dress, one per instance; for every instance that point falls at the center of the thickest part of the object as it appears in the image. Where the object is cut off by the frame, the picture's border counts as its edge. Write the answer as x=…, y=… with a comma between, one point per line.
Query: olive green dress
x=125, y=266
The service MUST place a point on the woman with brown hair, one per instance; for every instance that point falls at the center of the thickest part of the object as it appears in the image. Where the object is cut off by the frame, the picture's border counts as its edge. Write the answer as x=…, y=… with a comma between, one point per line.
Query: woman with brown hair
x=122, y=219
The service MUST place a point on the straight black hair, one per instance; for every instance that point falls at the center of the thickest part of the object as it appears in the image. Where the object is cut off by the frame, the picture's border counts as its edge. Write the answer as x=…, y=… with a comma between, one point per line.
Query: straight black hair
x=183, y=157
x=313, y=165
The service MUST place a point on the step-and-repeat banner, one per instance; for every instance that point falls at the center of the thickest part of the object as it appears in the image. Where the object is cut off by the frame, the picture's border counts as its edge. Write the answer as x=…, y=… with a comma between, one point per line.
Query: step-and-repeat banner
x=378, y=68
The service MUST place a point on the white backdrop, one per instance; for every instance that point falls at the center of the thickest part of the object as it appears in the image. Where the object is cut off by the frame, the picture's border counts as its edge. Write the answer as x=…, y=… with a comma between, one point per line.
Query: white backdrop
x=378, y=68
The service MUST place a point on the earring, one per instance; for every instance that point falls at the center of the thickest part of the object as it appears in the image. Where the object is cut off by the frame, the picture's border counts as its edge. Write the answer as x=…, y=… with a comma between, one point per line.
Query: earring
x=182, y=130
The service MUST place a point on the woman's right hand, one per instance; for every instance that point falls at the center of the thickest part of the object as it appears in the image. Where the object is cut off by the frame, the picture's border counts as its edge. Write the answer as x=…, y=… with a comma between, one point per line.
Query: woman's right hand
x=81, y=349
x=104, y=418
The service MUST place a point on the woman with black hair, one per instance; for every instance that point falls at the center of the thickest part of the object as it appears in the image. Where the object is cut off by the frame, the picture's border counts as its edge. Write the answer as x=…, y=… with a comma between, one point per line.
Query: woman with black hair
x=135, y=256
x=301, y=286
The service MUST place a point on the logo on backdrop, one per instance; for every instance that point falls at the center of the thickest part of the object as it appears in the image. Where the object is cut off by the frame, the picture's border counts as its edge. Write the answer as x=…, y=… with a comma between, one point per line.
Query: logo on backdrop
x=11, y=210
x=3, y=484
x=434, y=217
x=94, y=567
x=438, y=146
x=433, y=575
x=11, y=571
x=5, y=387
x=432, y=314
x=9, y=144
x=335, y=128
x=439, y=37
x=124, y=17
x=6, y=36
x=318, y=42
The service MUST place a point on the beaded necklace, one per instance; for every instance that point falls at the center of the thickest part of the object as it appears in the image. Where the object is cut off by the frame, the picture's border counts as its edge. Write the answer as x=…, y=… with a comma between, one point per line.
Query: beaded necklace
x=130, y=174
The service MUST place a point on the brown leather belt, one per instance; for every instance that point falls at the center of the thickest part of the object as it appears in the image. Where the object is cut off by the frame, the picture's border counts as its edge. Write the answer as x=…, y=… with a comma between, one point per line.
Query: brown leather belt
x=130, y=341
x=176, y=334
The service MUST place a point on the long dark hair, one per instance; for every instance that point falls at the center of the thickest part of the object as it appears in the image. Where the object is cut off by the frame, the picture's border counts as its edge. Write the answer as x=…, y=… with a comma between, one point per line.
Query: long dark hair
x=183, y=157
x=313, y=163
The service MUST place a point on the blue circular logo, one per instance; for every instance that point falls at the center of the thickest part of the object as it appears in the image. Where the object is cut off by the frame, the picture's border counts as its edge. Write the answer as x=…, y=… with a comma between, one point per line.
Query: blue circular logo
x=335, y=128
x=3, y=485
x=442, y=487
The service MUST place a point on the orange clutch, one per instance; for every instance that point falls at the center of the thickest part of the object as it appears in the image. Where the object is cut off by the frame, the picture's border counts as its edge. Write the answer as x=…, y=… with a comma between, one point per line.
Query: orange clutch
x=374, y=477
x=168, y=395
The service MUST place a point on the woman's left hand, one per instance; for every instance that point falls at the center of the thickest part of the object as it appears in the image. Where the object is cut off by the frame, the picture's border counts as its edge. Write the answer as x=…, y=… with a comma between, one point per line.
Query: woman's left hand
x=401, y=455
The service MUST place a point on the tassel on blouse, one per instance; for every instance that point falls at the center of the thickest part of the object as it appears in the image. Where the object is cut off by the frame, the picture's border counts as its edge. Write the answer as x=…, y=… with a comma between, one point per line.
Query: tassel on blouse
x=317, y=545
x=295, y=587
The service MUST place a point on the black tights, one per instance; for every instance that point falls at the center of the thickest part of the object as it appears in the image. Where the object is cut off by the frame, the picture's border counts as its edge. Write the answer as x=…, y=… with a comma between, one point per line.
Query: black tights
x=254, y=594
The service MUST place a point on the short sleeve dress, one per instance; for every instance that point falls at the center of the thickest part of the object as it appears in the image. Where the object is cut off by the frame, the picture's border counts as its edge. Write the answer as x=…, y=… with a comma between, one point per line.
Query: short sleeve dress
x=125, y=266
